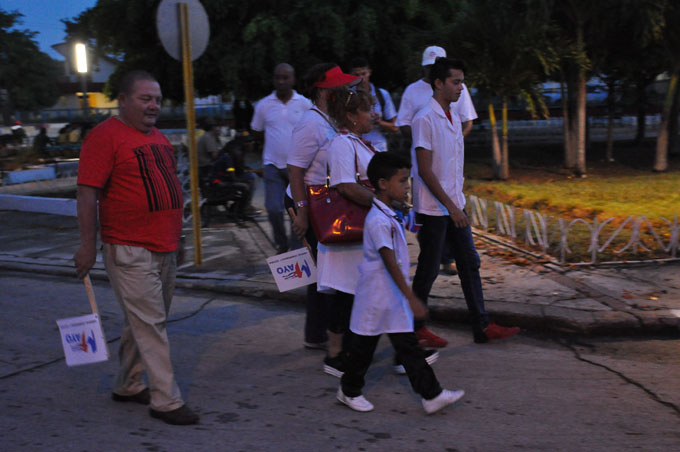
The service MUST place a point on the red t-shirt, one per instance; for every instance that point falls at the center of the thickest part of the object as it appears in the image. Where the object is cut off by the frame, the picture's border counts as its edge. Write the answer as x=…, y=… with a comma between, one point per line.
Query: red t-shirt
x=141, y=202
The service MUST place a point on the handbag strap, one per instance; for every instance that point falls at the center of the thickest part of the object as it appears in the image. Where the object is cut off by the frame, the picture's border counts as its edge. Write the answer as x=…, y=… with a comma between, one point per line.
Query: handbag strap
x=365, y=143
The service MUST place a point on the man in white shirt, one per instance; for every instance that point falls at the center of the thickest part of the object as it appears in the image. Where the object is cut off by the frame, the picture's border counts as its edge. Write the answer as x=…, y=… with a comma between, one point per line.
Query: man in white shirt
x=415, y=97
x=208, y=147
x=439, y=201
x=385, y=113
x=274, y=119
x=418, y=94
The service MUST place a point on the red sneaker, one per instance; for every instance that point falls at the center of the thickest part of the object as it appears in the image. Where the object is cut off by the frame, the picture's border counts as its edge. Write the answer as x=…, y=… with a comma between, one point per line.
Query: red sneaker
x=495, y=331
x=428, y=339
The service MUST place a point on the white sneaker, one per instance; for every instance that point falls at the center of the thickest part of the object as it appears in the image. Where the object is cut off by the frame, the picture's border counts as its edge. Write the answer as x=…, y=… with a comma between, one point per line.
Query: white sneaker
x=358, y=403
x=444, y=399
x=431, y=356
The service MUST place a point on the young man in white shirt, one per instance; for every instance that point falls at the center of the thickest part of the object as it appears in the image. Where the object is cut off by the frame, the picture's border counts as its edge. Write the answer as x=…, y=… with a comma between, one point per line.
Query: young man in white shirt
x=274, y=119
x=384, y=109
x=439, y=201
x=415, y=97
x=418, y=94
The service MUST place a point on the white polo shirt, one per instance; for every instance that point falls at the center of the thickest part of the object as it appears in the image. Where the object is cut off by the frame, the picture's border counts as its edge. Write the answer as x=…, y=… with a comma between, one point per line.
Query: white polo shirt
x=416, y=96
x=432, y=130
x=379, y=306
x=277, y=120
x=376, y=136
x=311, y=136
x=338, y=263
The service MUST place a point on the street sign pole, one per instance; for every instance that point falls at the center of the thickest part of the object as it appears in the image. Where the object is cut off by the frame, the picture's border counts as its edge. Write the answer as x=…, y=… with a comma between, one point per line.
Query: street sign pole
x=187, y=66
x=184, y=31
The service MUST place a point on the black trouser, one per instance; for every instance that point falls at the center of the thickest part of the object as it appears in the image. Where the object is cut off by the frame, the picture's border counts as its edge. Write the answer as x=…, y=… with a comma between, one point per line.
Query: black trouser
x=316, y=320
x=436, y=233
x=420, y=374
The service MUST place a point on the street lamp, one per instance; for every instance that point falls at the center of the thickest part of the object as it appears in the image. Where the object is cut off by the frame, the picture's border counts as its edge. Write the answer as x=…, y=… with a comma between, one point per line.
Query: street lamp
x=81, y=67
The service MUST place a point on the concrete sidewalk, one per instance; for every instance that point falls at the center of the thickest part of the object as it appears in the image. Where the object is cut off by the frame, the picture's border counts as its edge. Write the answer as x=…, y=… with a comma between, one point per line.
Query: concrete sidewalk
x=532, y=295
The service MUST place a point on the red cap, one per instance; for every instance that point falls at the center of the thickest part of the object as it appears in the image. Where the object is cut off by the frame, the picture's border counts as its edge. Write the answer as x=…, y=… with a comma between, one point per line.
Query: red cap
x=334, y=78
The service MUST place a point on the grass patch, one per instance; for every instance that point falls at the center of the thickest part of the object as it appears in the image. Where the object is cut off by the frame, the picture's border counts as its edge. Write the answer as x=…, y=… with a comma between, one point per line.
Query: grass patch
x=614, y=190
x=651, y=195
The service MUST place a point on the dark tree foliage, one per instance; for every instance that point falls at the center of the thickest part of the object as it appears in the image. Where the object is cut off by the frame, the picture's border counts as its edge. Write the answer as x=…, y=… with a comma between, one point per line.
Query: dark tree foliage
x=29, y=75
x=247, y=39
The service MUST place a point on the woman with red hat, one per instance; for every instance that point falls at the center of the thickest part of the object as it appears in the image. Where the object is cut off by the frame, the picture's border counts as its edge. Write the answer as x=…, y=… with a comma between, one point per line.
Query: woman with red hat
x=307, y=162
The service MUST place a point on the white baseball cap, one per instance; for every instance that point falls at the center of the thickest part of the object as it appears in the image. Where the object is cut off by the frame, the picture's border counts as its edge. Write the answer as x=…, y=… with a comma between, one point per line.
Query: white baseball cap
x=432, y=53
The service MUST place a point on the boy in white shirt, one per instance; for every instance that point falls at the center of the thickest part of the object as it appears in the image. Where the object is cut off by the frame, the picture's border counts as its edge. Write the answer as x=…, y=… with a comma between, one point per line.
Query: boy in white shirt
x=384, y=302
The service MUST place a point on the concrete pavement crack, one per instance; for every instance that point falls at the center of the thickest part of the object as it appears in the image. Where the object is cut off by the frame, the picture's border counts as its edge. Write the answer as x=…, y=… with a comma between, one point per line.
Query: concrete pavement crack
x=570, y=345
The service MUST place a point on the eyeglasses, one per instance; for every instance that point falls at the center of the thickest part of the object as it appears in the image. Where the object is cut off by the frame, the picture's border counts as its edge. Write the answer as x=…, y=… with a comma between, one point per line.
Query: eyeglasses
x=350, y=93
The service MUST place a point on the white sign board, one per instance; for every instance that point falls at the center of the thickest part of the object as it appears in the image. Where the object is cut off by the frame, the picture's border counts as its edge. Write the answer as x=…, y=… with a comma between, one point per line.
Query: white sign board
x=167, y=25
x=293, y=269
x=83, y=340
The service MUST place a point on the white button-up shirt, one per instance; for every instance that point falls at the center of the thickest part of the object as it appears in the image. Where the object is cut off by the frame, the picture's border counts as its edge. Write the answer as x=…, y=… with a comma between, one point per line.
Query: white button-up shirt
x=379, y=306
x=376, y=136
x=337, y=263
x=432, y=130
x=308, y=147
x=417, y=94
x=277, y=120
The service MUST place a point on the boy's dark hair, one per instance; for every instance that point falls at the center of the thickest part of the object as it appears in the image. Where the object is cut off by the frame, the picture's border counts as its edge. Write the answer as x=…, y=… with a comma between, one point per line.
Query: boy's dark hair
x=440, y=69
x=359, y=62
x=127, y=82
x=384, y=165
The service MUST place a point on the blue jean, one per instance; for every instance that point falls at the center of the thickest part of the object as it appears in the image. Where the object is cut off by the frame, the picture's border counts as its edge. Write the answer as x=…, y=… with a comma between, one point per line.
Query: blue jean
x=436, y=234
x=275, y=182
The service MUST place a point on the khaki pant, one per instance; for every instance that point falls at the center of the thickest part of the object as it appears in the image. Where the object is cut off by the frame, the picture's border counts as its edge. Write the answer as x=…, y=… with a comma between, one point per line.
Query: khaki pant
x=143, y=282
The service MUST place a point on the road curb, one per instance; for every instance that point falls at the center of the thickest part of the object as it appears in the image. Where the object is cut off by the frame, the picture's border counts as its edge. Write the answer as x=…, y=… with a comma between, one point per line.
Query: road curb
x=528, y=317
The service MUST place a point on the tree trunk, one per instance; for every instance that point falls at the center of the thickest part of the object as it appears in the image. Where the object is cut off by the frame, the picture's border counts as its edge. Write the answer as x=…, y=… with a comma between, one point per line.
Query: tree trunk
x=611, y=106
x=495, y=146
x=581, y=126
x=674, y=138
x=568, y=120
x=505, y=161
x=641, y=111
x=661, y=159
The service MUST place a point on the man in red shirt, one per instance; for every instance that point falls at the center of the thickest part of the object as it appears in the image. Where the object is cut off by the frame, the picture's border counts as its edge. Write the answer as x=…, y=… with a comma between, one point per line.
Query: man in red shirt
x=129, y=167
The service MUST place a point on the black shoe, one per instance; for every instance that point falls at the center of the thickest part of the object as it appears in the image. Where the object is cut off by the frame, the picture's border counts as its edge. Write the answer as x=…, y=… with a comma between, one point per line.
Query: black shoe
x=143, y=397
x=180, y=416
x=252, y=211
x=479, y=336
x=334, y=366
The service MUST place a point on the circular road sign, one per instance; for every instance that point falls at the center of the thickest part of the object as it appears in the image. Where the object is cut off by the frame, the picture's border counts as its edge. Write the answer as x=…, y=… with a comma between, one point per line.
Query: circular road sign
x=167, y=24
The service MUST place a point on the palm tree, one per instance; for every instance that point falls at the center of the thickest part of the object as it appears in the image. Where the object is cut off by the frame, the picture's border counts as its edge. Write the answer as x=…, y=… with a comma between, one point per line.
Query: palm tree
x=672, y=48
x=632, y=33
x=506, y=43
x=575, y=22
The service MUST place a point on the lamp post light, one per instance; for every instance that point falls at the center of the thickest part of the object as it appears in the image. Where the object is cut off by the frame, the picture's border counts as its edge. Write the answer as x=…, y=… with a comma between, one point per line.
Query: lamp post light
x=81, y=68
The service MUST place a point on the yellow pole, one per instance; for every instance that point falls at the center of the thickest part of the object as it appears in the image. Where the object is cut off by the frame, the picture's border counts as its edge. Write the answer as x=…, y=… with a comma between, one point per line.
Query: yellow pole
x=191, y=127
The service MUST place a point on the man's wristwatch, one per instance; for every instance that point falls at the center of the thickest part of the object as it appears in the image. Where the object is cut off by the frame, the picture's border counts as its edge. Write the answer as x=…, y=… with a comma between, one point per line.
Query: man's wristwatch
x=302, y=203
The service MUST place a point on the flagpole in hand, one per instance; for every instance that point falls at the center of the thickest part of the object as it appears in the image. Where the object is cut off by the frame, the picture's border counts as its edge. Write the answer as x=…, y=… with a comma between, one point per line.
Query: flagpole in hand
x=291, y=212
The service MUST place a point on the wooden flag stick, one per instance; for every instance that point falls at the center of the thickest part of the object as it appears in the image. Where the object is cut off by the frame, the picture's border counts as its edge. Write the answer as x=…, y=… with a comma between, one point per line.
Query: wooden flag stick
x=90, y=294
x=291, y=212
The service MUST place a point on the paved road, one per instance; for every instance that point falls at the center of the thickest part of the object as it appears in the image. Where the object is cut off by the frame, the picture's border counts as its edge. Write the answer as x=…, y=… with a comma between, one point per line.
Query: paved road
x=241, y=366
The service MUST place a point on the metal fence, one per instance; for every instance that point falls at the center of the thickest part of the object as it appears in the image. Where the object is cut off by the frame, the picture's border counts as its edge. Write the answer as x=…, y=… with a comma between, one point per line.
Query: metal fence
x=579, y=241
